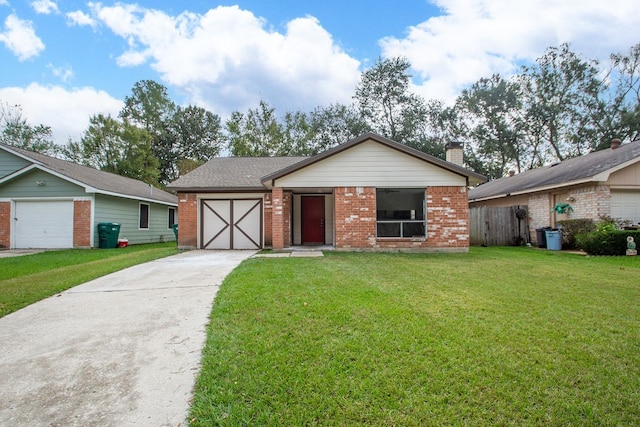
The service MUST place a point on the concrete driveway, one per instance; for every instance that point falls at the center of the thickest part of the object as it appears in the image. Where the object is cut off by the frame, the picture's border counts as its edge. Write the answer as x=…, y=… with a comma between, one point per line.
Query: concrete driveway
x=120, y=350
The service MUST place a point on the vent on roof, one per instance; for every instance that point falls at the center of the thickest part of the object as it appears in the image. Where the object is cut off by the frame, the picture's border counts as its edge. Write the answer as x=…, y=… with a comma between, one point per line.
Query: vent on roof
x=554, y=164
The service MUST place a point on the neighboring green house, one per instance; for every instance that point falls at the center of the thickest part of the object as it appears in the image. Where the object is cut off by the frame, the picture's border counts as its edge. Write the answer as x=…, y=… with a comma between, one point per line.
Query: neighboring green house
x=51, y=203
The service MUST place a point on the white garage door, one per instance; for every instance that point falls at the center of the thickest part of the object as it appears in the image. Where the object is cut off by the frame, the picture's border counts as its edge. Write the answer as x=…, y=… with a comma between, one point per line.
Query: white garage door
x=44, y=224
x=625, y=205
x=231, y=224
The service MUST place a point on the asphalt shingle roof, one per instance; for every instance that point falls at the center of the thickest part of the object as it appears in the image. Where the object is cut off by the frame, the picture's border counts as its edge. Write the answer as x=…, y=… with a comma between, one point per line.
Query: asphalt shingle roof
x=227, y=173
x=571, y=170
x=100, y=180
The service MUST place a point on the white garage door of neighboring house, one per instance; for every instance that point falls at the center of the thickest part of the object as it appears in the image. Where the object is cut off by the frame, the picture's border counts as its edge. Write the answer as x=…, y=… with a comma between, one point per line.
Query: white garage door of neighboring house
x=626, y=205
x=46, y=225
x=231, y=224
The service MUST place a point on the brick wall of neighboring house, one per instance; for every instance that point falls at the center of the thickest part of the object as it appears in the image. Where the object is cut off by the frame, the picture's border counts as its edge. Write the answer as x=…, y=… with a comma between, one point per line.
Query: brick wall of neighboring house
x=82, y=223
x=5, y=224
x=539, y=207
x=187, y=221
x=267, y=220
x=355, y=217
x=591, y=202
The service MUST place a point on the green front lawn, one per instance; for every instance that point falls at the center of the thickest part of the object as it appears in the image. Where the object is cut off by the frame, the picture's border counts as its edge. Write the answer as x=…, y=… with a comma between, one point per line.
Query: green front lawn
x=499, y=336
x=30, y=278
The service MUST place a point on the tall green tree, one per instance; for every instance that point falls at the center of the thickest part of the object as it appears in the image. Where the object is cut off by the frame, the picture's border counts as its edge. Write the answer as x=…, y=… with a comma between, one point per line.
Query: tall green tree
x=116, y=146
x=620, y=99
x=197, y=135
x=16, y=131
x=150, y=108
x=491, y=108
x=255, y=133
x=180, y=136
x=560, y=99
x=387, y=105
x=334, y=125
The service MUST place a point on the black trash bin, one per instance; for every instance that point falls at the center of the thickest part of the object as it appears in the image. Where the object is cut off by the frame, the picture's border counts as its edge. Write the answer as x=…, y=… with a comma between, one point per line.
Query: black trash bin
x=108, y=233
x=541, y=234
x=175, y=231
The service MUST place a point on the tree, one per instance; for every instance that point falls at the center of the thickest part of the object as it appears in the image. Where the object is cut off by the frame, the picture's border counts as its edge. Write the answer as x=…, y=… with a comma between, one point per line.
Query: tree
x=197, y=135
x=118, y=147
x=256, y=133
x=560, y=100
x=16, y=131
x=386, y=104
x=620, y=99
x=334, y=125
x=491, y=110
x=179, y=136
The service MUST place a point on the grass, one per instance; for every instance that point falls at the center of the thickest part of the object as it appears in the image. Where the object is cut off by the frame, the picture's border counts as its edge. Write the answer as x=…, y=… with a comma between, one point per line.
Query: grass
x=499, y=336
x=30, y=278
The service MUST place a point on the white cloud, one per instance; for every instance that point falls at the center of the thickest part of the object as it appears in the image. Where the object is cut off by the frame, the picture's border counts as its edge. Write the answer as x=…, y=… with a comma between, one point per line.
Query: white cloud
x=228, y=56
x=4, y=2
x=45, y=7
x=66, y=111
x=80, y=19
x=476, y=38
x=64, y=73
x=20, y=38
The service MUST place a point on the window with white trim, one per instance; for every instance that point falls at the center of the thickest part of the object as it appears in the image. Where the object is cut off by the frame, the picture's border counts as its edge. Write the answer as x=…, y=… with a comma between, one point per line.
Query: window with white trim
x=144, y=216
x=400, y=212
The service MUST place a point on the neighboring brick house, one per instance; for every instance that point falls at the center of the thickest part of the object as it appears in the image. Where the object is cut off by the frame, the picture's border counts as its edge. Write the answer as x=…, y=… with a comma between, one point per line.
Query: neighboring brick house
x=51, y=203
x=600, y=184
x=370, y=193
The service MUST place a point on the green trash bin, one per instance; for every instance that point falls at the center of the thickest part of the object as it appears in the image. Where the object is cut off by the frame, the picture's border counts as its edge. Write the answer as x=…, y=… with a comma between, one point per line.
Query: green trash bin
x=175, y=231
x=108, y=233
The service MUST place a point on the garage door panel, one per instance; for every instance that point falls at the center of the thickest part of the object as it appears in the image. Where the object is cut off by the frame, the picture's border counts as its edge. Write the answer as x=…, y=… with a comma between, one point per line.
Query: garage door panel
x=231, y=224
x=247, y=228
x=43, y=224
x=626, y=205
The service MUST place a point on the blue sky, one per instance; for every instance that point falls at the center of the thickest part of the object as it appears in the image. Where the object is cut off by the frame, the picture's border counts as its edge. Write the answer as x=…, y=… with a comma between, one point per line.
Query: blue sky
x=64, y=61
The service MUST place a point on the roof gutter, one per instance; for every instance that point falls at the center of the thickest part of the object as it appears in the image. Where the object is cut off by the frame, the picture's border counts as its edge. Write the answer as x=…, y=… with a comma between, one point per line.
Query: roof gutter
x=535, y=189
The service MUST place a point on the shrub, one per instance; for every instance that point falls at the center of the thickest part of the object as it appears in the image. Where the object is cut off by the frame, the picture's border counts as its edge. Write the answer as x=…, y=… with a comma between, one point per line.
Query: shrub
x=606, y=240
x=572, y=227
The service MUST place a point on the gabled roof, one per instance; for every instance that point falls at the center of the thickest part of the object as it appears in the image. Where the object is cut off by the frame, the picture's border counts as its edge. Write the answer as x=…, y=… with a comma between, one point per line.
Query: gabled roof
x=93, y=180
x=473, y=177
x=257, y=173
x=232, y=174
x=592, y=167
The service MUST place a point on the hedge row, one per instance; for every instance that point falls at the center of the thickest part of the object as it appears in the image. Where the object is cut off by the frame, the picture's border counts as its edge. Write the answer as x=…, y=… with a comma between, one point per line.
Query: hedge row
x=606, y=242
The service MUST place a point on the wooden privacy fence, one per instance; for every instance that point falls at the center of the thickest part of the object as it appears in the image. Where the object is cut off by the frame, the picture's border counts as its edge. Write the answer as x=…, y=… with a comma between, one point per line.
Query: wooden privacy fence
x=499, y=226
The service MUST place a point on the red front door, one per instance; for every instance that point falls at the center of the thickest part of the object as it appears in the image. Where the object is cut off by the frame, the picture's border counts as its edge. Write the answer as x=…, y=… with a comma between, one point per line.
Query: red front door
x=312, y=219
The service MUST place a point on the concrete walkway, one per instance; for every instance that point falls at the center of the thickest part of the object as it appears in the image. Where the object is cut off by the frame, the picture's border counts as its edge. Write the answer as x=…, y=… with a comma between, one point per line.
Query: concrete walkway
x=117, y=351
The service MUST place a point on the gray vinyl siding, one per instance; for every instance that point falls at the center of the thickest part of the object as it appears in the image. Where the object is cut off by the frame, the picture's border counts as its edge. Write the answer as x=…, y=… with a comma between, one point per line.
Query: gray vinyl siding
x=10, y=163
x=25, y=186
x=125, y=212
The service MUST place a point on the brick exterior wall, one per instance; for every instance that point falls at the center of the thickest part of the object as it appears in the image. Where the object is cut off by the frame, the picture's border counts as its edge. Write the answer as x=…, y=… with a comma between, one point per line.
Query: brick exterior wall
x=447, y=218
x=447, y=221
x=355, y=217
x=267, y=220
x=277, y=220
x=592, y=202
x=187, y=221
x=5, y=225
x=82, y=223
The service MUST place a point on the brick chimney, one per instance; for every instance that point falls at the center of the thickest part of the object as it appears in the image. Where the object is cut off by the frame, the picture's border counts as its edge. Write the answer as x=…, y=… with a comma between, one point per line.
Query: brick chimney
x=454, y=152
x=615, y=143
